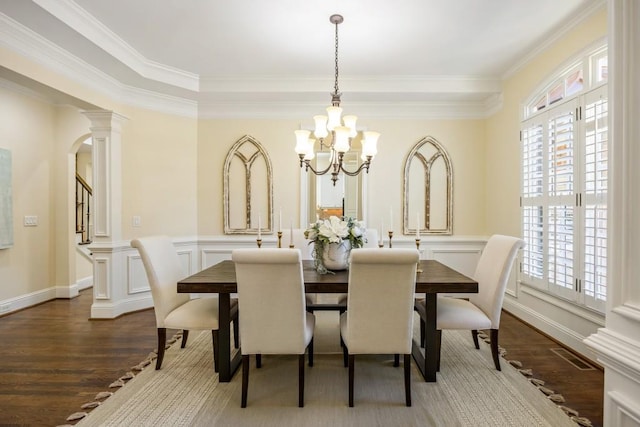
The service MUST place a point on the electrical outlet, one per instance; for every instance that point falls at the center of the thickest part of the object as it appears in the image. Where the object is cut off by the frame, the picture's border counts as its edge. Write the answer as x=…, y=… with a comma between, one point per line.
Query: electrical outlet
x=5, y=308
x=136, y=221
x=30, y=220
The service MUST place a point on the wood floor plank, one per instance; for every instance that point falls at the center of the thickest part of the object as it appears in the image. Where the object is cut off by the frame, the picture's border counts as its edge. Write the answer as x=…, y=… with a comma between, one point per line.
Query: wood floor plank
x=53, y=359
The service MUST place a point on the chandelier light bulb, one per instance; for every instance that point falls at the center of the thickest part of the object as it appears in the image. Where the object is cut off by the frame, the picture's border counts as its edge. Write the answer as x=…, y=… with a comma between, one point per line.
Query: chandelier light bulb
x=321, y=126
x=334, y=117
x=302, y=141
x=350, y=122
x=310, y=154
x=341, y=144
x=370, y=143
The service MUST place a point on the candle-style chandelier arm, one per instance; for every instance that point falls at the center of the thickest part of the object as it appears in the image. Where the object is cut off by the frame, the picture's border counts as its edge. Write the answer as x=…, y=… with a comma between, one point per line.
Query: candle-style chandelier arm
x=364, y=165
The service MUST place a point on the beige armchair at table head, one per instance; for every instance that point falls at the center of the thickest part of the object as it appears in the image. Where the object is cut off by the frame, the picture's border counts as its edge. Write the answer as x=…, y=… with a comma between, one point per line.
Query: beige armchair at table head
x=482, y=311
x=174, y=310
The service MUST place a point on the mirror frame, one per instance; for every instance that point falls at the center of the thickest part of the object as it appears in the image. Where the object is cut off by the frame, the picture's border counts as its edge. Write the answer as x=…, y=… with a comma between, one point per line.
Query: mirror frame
x=259, y=153
x=415, y=154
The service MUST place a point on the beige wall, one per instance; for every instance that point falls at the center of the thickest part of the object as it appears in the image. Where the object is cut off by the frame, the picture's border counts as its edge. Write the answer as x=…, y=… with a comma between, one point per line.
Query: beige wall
x=26, y=267
x=463, y=139
x=503, y=146
x=159, y=174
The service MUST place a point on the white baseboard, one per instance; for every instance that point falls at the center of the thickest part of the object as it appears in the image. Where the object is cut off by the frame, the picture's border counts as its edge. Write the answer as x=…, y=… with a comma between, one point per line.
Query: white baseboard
x=109, y=310
x=27, y=300
x=85, y=283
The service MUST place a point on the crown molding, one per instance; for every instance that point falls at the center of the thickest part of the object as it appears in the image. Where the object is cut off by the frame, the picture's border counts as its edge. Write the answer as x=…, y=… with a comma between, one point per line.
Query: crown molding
x=230, y=91
x=561, y=29
x=36, y=48
x=381, y=110
x=95, y=31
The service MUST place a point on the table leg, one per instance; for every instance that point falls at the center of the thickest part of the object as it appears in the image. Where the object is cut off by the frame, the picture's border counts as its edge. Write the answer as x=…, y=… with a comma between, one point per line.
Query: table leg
x=428, y=364
x=431, y=345
x=226, y=366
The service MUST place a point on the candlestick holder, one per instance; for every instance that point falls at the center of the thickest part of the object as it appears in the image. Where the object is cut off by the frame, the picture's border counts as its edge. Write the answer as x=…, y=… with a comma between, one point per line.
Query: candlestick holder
x=259, y=242
x=418, y=269
x=381, y=244
x=390, y=237
x=279, y=239
x=291, y=246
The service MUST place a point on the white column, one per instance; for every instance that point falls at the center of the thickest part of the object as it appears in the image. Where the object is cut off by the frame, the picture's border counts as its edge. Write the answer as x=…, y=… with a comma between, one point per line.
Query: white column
x=111, y=294
x=617, y=345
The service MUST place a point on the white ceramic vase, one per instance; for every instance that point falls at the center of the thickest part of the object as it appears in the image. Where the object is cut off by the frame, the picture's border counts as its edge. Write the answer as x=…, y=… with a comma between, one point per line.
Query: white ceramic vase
x=336, y=255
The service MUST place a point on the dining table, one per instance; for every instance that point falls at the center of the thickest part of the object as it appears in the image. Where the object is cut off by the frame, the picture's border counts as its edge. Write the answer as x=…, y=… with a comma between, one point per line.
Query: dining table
x=432, y=278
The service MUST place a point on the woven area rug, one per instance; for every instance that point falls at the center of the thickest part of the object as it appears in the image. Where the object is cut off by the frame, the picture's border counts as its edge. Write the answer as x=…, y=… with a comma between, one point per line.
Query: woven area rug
x=469, y=391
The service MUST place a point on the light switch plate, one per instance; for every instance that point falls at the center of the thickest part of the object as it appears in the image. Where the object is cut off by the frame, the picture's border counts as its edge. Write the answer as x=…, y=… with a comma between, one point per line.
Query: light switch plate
x=136, y=222
x=30, y=220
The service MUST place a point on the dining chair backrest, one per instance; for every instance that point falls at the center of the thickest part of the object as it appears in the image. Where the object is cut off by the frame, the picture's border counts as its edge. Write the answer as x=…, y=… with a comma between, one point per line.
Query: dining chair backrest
x=163, y=268
x=271, y=302
x=492, y=274
x=380, y=300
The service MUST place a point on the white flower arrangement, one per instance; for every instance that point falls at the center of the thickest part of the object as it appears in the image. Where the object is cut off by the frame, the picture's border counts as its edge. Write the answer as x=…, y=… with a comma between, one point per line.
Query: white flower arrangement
x=334, y=230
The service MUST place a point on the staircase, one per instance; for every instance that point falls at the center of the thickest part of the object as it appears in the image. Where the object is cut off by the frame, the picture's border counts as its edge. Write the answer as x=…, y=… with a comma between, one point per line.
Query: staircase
x=84, y=200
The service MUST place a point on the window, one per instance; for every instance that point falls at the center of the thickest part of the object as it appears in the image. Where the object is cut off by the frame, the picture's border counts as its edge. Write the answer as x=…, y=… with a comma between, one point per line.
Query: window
x=564, y=186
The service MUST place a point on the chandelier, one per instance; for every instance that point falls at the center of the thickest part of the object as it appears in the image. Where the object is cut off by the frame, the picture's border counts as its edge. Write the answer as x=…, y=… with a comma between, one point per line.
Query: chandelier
x=335, y=133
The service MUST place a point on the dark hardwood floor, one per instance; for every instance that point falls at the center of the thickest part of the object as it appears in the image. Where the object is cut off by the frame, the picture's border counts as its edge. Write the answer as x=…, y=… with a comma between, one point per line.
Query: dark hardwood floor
x=579, y=381
x=53, y=359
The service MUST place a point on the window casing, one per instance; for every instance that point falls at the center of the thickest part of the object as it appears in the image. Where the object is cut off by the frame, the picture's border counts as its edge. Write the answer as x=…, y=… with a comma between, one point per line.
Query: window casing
x=564, y=185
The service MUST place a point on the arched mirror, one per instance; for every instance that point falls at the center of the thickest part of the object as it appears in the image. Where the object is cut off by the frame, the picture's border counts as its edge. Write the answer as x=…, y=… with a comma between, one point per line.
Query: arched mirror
x=428, y=189
x=326, y=199
x=321, y=199
x=248, y=188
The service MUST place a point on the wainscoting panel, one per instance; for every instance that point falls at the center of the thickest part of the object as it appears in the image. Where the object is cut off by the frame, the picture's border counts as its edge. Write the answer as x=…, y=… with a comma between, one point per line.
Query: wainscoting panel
x=101, y=280
x=136, y=275
x=624, y=410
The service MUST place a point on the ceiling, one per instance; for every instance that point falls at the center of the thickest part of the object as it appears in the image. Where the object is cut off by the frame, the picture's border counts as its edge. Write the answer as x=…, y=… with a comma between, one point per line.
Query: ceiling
x=229, y=57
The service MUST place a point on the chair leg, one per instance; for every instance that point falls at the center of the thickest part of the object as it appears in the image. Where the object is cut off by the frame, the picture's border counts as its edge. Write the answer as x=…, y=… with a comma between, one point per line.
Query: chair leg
x=345, y=355
x=396, y=360
x=352, y=362
x=422, y=332
x=185, y=336
x=474, y=335
x=494, y=348
x=245, y=380
x=301, y=380
x=407, y=378
x=258, y=361
x=236, y=333
x=162, y=341
x=439, y=348
x=311, y=352
x=216, y=342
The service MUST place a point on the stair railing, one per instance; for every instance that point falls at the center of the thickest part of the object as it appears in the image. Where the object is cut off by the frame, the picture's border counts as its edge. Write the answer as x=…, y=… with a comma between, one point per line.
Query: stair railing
x=83, y=209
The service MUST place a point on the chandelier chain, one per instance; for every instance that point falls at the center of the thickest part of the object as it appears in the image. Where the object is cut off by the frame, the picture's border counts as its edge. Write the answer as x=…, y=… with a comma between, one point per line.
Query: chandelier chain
x=335, y=88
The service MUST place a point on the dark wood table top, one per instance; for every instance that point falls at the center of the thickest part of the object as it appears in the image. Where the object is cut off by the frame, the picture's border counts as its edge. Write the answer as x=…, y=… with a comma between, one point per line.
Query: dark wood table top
x=434, y=278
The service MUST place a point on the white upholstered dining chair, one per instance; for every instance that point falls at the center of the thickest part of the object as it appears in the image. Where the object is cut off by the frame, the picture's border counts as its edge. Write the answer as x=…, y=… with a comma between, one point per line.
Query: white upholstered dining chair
x=379, y=316
x=272, y=310
x=482, y=310
x=296, y=238
x=174, y=310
